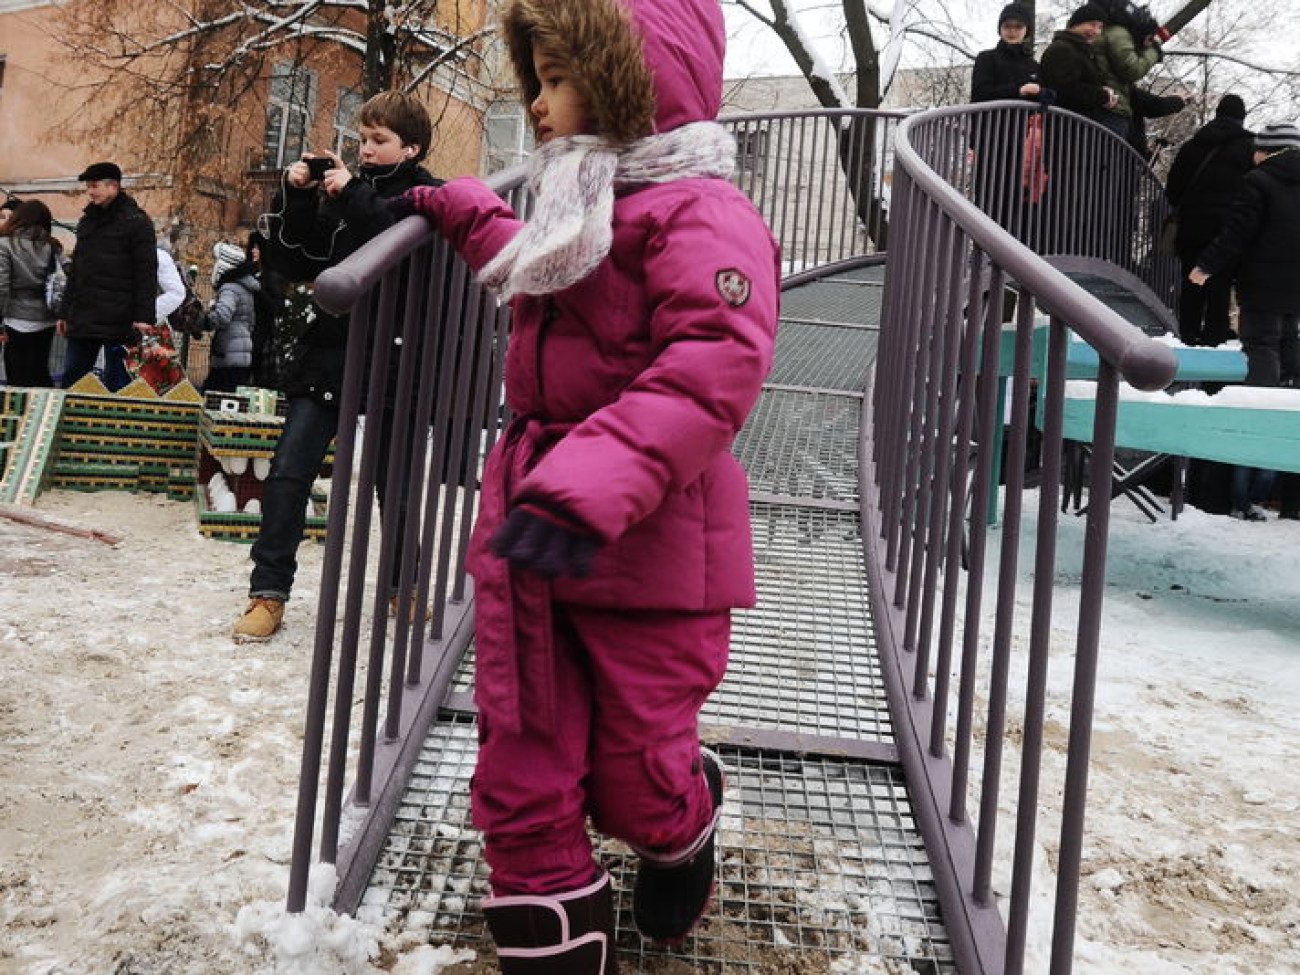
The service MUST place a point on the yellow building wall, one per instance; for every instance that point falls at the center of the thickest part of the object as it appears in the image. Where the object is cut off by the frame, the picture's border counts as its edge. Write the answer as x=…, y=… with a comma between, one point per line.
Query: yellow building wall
x=43, y=94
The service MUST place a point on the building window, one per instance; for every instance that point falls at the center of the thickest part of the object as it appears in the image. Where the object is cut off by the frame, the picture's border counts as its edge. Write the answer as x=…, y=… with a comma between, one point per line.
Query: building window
x=504, y=136
x=289, y=109
x=347, y=135
x=751, y=151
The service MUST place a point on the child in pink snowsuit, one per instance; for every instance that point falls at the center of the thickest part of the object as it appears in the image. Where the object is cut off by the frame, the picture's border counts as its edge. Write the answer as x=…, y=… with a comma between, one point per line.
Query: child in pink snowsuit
x=613, y=538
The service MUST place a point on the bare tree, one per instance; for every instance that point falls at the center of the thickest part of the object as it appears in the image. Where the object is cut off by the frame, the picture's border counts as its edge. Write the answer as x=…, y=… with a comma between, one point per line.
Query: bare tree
x=186, y=80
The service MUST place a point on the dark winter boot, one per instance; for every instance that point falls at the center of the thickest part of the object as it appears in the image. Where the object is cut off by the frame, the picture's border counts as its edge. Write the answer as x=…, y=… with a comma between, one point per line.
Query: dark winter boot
x=672, y=892
x=555, y=934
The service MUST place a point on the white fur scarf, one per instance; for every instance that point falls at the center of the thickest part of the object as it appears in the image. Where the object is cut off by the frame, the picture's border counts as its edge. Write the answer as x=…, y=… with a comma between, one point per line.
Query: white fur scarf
x=573, y=181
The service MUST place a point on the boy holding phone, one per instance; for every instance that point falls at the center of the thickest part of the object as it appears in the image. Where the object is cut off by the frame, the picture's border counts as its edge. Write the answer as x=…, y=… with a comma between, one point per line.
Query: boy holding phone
x=324, y=214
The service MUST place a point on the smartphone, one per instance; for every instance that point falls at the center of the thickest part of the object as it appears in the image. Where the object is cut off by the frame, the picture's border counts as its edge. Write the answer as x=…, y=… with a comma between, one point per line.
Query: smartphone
x=318, y=165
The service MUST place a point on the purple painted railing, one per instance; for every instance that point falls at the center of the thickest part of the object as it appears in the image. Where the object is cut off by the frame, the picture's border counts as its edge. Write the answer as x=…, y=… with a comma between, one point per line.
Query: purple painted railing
x=945, y=198
x=927, y=479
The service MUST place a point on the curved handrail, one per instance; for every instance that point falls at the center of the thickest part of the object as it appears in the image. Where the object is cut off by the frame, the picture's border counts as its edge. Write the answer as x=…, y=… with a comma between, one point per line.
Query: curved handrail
x=1143, y=362
x=338, y=288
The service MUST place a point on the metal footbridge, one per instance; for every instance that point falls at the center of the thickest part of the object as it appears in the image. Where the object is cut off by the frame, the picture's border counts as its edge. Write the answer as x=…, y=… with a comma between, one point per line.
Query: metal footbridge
x=820, y=857
x=868, y=703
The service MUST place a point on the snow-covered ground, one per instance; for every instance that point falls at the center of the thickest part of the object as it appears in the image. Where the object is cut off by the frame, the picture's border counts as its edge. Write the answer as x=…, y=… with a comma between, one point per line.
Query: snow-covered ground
x=150, y=764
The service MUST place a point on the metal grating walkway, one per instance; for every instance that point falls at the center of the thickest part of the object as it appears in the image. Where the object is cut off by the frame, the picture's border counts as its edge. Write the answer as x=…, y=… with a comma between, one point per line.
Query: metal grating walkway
x=822, y=867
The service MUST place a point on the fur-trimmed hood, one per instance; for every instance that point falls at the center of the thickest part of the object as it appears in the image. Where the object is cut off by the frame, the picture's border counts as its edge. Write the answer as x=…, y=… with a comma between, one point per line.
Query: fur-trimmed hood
x=645, y=66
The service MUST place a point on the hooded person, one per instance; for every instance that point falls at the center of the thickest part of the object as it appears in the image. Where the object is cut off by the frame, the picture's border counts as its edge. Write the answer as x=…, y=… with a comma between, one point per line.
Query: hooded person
x=233, y=317
x=613, y=539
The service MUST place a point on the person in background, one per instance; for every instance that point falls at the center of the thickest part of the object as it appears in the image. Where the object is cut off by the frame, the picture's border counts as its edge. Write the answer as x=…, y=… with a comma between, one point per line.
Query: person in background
x=320, y=222
x=232, y=316
x=28, y=253
x=1204, y=180
x=171, y=286
x=113, y=280
x=1070, y=69
x=613, y=540
x=1008, y=70
x=1123, y=60
x=1260, y=241
x=1005, y=72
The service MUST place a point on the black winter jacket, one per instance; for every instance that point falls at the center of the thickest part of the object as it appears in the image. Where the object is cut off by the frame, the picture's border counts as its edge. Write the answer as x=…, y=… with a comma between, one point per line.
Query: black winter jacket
x=1262, y=237
x=1204, y=199
x=113, y=280
x=1000, y=72
x=319, y=232
x=1069, y=69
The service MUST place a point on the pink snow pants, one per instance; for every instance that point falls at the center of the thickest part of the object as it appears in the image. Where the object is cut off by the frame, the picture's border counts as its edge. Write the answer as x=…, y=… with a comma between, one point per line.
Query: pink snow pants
x=623, y=748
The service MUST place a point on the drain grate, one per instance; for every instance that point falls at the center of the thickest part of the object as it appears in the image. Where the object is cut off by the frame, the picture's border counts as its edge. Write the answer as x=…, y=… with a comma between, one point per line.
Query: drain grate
x=821, y=865
x=802, y=445
x=823, y=356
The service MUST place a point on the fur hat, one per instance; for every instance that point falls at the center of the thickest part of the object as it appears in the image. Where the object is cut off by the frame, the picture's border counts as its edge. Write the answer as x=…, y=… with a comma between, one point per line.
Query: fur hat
x=1231, y=106
x=1089, y=11
x=1275, y=138
x=227, y=257
x=1015, y=11
x=101, y=170
x=598, y=40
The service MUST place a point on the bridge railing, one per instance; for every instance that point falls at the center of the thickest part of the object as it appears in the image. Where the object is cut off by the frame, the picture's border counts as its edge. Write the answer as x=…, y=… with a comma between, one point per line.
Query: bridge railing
x=818, y=178
x=943, y=584
x=833, y=185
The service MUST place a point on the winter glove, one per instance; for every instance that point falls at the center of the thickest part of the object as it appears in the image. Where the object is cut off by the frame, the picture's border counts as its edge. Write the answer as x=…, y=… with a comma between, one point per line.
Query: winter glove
x=418, y=199
x=547, y=543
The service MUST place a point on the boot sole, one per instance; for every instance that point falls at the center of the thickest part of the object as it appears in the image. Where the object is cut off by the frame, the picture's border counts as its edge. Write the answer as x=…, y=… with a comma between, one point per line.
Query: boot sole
x=246, y=638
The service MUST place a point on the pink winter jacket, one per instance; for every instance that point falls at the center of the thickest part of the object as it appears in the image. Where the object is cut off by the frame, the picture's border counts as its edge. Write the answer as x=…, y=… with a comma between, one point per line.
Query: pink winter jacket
x=630, y=386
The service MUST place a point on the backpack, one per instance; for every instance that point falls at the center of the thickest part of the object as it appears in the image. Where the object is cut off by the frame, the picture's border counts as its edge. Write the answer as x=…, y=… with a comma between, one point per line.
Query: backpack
x=56, y=283
x=191, y=318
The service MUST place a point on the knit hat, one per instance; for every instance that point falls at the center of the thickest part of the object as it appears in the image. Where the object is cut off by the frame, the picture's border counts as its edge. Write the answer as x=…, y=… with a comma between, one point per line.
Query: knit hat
x=1231, y=106
x=1275, y=138
x=227, y=256
x=1015, y=11
x=1089, y=11
x=101, y=170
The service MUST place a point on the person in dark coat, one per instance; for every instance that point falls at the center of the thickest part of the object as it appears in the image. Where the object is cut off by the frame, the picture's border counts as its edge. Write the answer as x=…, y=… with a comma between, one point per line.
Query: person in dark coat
x=1005, y=72
x=112, y=282
x=320, y=222
x=1070, y=69
x=1008, y=70
x=1205, y=178
x=1261, y=239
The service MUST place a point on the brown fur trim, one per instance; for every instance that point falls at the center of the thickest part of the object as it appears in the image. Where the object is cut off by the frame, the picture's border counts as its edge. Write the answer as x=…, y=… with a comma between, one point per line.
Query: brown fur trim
x=600, y=43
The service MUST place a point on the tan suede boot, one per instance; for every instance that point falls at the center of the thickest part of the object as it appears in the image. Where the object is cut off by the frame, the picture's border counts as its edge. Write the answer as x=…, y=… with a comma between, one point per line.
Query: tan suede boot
x=260, y=621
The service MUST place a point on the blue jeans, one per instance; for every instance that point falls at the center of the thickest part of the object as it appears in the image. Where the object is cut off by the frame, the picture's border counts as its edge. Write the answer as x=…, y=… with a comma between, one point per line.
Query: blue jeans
x=80, y=359
x=309, y=426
